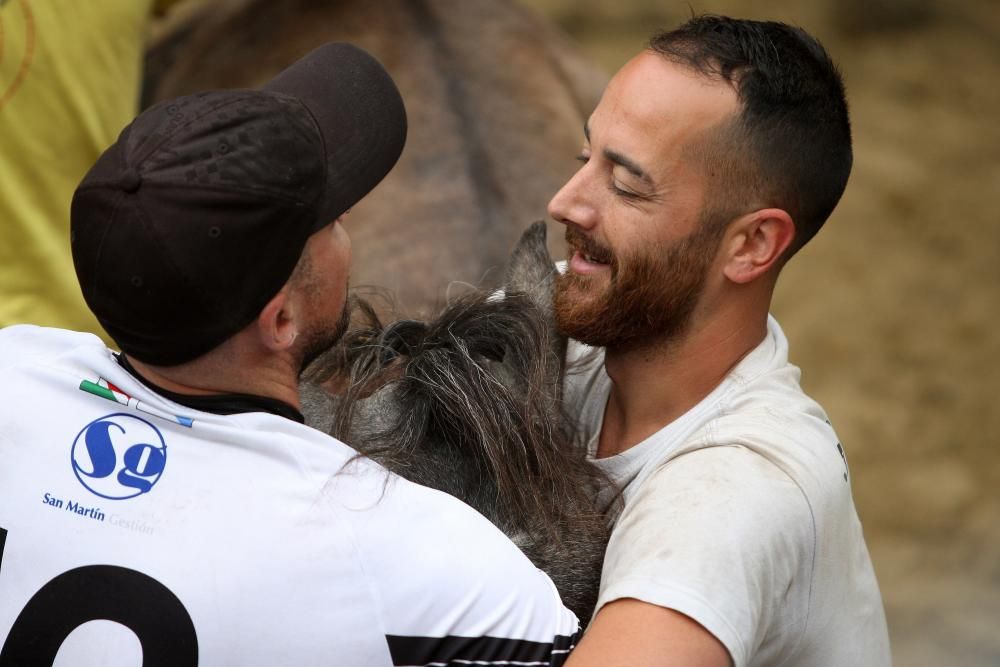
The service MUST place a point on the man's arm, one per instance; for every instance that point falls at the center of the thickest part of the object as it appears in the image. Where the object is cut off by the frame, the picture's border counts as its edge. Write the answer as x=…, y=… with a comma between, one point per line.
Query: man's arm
x=451, y=588
x=635, y=633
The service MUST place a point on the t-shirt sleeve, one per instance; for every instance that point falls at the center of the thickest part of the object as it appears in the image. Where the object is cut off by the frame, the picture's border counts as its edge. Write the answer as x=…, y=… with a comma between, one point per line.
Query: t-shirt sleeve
x=26, y=343
x=721, y=535
x=16, y=343
x=454, y=590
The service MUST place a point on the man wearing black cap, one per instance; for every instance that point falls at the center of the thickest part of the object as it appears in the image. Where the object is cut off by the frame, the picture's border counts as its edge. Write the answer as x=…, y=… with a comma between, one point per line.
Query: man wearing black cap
x=167, y=502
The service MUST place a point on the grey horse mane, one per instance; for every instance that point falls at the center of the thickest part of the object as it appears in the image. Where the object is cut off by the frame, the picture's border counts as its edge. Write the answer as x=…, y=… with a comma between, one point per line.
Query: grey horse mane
x=470, y=403
x=478, y=378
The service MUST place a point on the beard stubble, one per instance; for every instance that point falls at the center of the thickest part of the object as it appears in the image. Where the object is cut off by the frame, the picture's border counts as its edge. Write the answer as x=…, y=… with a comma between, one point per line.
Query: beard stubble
x=651, y=295
x=322, y=336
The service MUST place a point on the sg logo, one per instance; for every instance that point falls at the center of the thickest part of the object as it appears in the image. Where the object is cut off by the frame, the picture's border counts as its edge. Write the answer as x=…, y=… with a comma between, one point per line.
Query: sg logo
x=119, y=456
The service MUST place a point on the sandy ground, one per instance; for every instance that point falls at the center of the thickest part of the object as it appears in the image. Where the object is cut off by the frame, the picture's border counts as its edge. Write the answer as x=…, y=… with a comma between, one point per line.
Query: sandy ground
x=892, y=310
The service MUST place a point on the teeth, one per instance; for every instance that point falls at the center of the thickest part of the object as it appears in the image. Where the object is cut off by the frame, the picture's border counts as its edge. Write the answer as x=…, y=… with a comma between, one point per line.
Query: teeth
x=586, y=257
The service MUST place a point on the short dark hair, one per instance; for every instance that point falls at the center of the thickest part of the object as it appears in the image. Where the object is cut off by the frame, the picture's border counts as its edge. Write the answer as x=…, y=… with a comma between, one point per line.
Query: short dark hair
x=790, y=146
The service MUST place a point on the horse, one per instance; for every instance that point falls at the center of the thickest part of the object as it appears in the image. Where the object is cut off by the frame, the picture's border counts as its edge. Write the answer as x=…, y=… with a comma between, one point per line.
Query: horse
x=496, y=99
x=469, y=403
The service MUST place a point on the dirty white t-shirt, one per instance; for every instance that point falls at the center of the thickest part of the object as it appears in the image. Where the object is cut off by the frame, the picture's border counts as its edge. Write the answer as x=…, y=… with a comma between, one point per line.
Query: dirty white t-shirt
x=739, y=515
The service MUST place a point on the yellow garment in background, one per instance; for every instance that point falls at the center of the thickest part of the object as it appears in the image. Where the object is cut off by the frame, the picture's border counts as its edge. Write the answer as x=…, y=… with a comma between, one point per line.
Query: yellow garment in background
x=70, y=76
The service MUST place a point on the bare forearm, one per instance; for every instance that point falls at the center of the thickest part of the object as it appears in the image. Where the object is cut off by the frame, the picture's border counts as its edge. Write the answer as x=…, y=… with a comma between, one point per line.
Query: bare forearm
x=638, y=634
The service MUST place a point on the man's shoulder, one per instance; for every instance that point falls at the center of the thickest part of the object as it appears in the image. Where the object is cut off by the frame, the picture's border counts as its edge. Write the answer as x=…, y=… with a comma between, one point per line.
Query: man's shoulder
x=389, y=512
x=775, y=419
x=31, y=339
x=766, y=411
x=446, y=578
x=28, y=346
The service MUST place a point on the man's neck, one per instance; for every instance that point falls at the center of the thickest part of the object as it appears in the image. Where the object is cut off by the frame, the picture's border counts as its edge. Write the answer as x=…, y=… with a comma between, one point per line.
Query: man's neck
x=655, y=384
x=222, y=372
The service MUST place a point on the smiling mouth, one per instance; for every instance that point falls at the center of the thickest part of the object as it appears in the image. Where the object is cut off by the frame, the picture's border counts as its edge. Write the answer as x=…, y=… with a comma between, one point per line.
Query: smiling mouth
x=592, y=254
x=581, y=263
x=585, y=251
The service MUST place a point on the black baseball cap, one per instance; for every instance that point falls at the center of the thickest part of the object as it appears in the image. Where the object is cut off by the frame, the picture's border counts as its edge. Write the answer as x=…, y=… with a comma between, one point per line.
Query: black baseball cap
x=196, y=216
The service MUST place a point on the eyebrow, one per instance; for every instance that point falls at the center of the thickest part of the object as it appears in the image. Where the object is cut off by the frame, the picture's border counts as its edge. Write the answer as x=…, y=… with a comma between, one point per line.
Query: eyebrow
x=617, y=158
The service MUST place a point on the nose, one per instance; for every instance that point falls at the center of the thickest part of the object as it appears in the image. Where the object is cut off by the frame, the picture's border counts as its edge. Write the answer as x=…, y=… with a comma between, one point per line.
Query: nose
x=572, y=205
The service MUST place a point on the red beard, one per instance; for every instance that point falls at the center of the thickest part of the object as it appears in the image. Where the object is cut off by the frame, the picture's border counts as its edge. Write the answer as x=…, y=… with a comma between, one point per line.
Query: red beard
x=651, y=295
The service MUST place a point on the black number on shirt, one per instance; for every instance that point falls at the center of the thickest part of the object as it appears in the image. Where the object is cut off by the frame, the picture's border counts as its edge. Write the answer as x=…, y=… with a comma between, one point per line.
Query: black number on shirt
x=101, y=592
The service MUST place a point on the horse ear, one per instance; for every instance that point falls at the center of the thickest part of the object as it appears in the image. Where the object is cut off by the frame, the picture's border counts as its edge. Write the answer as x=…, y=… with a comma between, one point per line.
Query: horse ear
x=530, y=268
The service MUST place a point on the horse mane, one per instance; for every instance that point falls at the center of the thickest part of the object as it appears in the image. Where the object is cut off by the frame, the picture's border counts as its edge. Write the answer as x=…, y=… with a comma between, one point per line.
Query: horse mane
x=479, y=402
x=470, y=403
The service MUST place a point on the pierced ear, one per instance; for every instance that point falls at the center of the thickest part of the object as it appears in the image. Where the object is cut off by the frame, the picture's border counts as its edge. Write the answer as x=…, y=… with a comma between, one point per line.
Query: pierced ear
x=756, y=243
x=276, y=324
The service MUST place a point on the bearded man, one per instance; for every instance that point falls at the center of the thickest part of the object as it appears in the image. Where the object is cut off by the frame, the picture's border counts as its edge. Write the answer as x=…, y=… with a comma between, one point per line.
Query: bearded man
x=713, y=157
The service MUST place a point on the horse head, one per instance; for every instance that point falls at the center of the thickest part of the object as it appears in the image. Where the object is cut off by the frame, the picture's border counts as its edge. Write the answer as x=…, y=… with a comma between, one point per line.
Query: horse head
x=470, y=403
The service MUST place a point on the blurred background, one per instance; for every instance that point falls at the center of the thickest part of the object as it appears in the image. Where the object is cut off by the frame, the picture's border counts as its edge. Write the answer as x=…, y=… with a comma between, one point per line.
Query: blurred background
x=892, y=311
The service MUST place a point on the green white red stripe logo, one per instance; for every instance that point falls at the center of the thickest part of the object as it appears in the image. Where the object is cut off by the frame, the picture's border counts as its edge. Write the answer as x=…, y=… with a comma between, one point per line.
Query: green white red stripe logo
x=106, y=390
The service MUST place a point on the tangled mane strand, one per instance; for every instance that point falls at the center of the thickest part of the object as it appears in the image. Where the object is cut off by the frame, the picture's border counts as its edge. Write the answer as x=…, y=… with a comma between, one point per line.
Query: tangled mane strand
x=473, y=386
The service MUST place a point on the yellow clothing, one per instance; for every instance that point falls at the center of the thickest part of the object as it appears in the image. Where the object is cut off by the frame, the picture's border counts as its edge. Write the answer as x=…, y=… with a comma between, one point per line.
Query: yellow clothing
x=70, y=75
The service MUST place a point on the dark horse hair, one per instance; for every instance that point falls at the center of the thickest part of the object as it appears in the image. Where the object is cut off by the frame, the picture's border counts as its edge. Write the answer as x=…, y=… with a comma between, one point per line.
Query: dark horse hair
x=469, y=403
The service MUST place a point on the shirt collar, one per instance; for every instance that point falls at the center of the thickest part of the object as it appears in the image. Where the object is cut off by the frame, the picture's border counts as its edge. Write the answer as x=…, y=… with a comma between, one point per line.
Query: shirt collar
x=219, y=404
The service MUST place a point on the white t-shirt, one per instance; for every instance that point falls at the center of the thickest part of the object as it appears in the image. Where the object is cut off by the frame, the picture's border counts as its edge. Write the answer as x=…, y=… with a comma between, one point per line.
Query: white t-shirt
x=739, y=515
x=134, y=530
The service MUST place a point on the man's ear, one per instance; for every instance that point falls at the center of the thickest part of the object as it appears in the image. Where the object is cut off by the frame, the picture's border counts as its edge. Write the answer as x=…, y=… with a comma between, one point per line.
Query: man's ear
x=756, y=243
x=276, y=324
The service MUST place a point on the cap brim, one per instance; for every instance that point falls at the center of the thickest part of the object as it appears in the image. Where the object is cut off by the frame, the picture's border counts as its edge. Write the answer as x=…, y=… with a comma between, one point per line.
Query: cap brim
x=360, y=115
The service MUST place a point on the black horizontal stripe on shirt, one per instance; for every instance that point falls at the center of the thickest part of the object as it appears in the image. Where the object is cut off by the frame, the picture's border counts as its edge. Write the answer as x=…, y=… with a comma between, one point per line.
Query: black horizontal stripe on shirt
x=408, y=651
